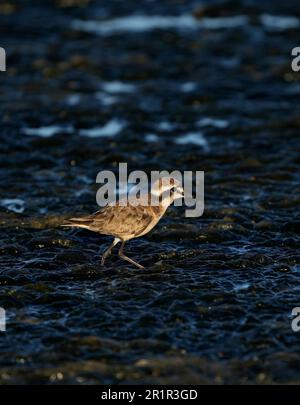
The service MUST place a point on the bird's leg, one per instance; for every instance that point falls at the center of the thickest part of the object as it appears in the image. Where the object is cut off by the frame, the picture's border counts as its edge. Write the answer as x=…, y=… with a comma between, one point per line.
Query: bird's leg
x=123, y=256
x=108, y=251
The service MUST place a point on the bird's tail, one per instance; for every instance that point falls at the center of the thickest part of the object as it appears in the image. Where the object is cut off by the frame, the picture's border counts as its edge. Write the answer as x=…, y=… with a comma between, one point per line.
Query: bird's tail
x=84, y=222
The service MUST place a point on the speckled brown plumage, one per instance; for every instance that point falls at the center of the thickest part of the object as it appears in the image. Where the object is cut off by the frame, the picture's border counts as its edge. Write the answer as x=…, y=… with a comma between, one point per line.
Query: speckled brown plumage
x=127, y=222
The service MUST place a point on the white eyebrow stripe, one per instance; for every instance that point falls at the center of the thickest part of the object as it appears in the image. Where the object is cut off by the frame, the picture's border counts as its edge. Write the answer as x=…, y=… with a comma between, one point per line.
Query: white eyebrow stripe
x=159, y=191
x=156, y=192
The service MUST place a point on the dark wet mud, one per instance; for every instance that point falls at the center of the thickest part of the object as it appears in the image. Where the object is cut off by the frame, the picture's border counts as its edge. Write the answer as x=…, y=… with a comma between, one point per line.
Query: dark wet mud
x=214, y=302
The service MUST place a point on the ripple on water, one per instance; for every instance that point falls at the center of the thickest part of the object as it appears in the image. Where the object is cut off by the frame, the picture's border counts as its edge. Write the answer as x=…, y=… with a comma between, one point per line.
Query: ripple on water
x=73, y=99
x=110, y=129
x=13, y=204
x=279, y=22
x=212, y=122
x=193, y=138
x=166, y=126
x=117, y=87
x=188, y=87
x=152, y=138
x=48, y=131
x=144, y=23
x=106, y=99
x=241, y=286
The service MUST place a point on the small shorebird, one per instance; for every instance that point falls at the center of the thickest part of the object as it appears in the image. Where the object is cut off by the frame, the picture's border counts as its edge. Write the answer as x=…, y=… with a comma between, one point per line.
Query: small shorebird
x=131, y=221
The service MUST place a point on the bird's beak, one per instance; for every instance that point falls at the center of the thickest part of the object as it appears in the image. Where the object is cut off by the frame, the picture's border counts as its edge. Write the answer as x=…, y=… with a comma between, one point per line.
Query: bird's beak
x=181, y=191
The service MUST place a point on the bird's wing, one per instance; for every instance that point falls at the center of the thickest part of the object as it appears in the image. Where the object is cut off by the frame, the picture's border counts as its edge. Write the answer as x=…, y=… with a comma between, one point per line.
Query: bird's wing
x=123, y=221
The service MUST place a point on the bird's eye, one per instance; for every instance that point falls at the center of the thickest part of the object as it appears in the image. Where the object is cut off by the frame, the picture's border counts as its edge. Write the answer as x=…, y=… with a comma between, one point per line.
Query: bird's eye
x=173, y=189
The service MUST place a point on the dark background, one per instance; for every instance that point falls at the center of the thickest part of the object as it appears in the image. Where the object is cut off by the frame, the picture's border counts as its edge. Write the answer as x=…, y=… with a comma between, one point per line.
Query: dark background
x=214, y=302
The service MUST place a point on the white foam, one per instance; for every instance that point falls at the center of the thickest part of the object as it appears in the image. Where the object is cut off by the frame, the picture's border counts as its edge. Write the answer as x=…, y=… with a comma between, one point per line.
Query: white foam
x=152, y=138
x=73, y=99
x=110, y=129
x=13, y=204
x=212, y=122
x=81, y=192
x=118, y=87
x=279, y=23
x=218, y=23
x=194, y=138
x=47, y=132
x=242, y=286
x=143, y=23
x=166, y=126
x=188, y=87
x=106, y=99
x=85, y=179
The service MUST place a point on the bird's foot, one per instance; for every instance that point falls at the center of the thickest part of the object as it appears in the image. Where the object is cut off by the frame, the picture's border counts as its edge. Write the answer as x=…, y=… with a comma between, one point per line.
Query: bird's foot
x=131, y=261
x=138, y=265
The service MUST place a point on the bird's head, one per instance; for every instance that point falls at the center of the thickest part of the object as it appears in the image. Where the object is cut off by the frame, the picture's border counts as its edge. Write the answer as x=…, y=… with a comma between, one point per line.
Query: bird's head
x=167, y=189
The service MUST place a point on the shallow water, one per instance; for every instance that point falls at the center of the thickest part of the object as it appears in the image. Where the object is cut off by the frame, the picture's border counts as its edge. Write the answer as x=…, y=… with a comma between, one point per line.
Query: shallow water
x=214, y=302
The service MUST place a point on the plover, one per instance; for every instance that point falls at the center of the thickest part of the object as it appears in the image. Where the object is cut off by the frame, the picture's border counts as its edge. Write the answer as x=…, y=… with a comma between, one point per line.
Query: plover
x=129, y=221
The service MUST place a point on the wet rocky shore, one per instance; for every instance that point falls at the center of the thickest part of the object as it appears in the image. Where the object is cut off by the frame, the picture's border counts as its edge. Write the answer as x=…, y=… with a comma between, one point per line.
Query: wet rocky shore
x=202, y=87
